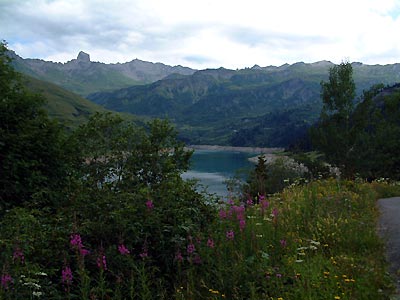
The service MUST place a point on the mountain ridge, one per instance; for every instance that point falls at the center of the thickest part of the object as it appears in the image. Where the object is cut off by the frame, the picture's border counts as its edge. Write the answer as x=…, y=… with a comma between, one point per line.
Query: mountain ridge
x=83, y=76
x=224, y=106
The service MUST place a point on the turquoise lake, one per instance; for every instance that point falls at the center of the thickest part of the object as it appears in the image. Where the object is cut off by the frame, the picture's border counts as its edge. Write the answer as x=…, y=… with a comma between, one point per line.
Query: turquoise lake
x=213, y=167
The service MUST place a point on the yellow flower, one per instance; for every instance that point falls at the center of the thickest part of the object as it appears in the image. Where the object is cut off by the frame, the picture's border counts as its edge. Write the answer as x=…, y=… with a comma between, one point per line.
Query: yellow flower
x=280, y=298
x=337, y=297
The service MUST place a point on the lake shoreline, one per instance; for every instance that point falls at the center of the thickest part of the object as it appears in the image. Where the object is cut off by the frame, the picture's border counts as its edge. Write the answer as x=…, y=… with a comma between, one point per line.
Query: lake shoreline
x=254, y=150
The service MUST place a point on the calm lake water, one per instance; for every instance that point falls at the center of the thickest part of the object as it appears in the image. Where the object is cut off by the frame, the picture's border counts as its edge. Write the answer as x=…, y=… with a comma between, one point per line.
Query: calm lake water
x=213, y=167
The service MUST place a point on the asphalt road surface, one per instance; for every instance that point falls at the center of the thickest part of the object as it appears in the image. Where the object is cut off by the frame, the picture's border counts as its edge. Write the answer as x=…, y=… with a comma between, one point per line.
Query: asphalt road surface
x=389, y=230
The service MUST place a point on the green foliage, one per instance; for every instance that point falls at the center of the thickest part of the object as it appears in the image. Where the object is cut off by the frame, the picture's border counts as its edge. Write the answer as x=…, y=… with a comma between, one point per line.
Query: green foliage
x=273, y=176
x=377, y=144
x=334, y=135
x=31, y=152
x=338, y=94
x=363, y=141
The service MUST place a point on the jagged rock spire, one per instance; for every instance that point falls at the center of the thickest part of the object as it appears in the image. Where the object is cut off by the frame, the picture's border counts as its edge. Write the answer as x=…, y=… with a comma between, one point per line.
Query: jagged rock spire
x=82, y=56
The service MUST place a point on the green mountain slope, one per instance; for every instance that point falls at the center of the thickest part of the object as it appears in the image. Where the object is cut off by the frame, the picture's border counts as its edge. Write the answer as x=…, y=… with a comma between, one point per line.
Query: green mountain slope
x=259, y=106
x=69, y=108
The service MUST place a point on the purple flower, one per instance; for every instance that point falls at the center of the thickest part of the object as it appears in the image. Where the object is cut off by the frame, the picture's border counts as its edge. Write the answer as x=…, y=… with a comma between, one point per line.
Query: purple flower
x=283, y=243
x=66, y=275
x=76, y=240
x=249, y=202
x=144, y=253
x=191, y=248
x=242, y=224
x=102, y=262
x=264, y=204
x=279, y=275
x=230, y=235
x=149, y=204
x=197, y=259
x=6, y=279
x=83, y=252
x=178, y=256
x=18, y=255
x=210, y=243
x=222, y=214
x=275, y=212
x=123, y=250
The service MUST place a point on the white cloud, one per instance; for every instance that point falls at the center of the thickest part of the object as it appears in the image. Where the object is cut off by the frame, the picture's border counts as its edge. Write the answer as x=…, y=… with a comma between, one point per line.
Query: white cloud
x=207, y=33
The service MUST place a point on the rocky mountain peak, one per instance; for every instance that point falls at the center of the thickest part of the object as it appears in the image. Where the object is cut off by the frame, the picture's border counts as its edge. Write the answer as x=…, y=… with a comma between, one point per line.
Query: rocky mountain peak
x=84, y=57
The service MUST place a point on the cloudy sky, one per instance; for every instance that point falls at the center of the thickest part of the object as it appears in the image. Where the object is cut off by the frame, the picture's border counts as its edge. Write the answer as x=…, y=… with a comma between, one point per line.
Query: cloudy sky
x=204, y=33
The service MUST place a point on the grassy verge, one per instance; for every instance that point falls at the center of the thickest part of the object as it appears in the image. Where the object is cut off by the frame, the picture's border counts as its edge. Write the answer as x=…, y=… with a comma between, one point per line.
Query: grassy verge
x=313, y=242
x=317, y=241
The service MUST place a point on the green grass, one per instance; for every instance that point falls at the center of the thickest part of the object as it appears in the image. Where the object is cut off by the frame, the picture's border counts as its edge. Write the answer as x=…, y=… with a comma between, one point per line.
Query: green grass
x=70, y=109
x=320, y=243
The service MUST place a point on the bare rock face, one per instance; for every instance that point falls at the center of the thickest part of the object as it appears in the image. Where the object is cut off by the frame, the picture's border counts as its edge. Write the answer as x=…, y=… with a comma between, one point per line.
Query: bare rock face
x=84, y=57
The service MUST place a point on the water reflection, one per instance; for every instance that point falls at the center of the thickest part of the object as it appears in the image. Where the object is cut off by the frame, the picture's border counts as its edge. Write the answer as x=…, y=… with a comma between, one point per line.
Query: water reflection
x=212, y=168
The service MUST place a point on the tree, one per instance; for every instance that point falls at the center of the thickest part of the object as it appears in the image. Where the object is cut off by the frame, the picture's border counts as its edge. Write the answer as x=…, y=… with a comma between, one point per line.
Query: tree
x=31, y=167
x=377, y=144
x=334, y=135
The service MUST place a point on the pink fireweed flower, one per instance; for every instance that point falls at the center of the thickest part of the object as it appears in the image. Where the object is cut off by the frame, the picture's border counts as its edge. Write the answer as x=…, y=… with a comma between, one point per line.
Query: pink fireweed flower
x=191, y=248
x=18, y=255
x=144, y=254
x=283, y=243
x=242, y=224
x=231, y=202
x=102, y=262
x=178, y=256
x=230, y=235
x=123, y=250
x=76, y=240
x=275, y=212
x=264, y=204
x=222, y=214
x=6, y=279
x=249, y=202
x=197, y=259
x=210, y=243
x=66, y=275
x=83, y=252
x=149, y=204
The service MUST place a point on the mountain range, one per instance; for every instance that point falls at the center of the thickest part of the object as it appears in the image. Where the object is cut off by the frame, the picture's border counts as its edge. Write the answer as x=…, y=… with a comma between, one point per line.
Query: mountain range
x=258, y=106
x=83, y=76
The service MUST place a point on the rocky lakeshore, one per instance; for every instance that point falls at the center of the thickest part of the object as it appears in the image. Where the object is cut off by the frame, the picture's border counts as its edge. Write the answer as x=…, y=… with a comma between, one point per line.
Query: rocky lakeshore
x=255, y=150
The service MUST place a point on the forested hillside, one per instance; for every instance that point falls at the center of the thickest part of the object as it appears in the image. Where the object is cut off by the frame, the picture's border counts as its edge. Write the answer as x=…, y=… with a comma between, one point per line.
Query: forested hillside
x=269, y=106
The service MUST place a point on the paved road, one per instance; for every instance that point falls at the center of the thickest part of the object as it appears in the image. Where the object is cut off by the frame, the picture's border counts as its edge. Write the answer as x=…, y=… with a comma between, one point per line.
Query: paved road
x=389, y=229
